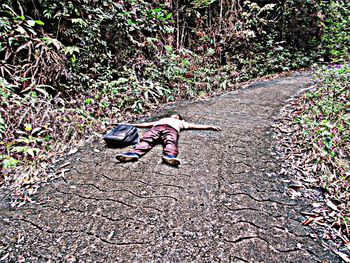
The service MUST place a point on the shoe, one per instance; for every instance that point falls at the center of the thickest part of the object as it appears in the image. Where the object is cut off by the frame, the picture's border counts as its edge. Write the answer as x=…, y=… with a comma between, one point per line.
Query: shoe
x=171, y=160
x=127, y=157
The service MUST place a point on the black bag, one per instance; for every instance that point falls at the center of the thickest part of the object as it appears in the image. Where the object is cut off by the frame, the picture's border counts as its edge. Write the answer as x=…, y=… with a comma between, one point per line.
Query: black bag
x=121, y=136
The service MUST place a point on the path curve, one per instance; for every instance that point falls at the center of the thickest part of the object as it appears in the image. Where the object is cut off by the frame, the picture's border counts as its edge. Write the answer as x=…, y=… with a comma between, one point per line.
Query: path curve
x=226, y=203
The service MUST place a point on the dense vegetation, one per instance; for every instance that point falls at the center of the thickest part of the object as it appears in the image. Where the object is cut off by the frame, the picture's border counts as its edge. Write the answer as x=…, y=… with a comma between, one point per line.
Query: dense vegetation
x=323, y=115
x=69, y=69
x=317, y=145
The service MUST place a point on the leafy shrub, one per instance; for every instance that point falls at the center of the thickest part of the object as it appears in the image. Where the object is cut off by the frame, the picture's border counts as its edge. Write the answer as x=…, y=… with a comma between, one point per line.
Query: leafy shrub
x=324, y=118
x=28, y=56
x=134, y=34
x=336, y=35
x=34, y=127
x=257, y=37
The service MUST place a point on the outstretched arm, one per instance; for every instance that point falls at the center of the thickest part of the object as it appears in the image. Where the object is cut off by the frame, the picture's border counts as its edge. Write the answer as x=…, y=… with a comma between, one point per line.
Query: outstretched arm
x=193, y=126
x=143, y=125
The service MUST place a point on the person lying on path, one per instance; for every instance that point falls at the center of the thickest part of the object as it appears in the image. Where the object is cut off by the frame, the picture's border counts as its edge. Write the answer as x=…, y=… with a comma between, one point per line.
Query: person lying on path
x=166, y=132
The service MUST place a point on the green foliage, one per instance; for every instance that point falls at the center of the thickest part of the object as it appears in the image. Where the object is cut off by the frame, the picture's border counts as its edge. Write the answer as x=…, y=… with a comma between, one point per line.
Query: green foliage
x=116, y=33
x=253, y=37
x=202, y=3
x=34, y=125
x=336, y=36
x=328, y=116
x=28, y=56
x=324, y=117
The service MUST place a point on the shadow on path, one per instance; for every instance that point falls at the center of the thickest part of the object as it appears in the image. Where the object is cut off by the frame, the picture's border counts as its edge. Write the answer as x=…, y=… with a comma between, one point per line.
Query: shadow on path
x=226, y=203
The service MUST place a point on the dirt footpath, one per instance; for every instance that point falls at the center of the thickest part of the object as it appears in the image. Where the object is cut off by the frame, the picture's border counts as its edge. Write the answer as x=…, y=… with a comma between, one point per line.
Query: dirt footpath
x=225, y=203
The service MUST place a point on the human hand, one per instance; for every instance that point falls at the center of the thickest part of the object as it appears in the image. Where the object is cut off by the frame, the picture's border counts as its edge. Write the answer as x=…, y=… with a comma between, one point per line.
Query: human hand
x=215, y=128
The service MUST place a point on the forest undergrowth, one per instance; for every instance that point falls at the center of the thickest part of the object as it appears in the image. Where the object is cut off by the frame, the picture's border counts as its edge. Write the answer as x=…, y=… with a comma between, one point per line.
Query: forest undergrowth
x=313, y=138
